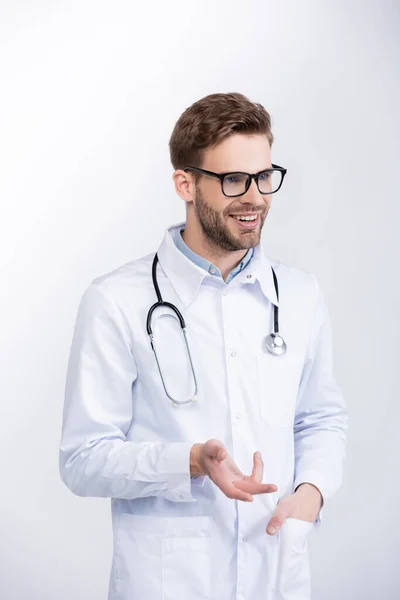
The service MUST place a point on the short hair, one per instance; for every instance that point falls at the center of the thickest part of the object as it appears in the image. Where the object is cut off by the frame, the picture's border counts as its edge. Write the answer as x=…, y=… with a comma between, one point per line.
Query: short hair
x=211, y=120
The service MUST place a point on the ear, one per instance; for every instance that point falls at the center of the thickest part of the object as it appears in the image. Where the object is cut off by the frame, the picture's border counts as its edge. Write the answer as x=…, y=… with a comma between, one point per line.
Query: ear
x=184, y=185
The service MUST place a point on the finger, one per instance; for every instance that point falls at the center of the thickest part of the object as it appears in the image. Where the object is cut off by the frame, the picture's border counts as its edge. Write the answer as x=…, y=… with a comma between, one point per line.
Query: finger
x=236, y=494
x=275, y=523
x=249, y=486
x=258, y=467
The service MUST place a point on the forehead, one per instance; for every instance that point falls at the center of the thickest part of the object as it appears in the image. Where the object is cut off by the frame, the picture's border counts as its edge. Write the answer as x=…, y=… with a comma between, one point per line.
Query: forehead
x=239, y=152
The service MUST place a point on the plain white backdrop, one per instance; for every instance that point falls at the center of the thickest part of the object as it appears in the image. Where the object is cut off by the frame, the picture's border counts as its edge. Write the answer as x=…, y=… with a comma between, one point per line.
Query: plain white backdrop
x=90, y=92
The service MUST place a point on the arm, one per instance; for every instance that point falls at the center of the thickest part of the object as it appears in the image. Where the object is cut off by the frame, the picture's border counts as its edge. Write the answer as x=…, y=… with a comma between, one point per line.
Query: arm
x=321, y=418
x=95, y=459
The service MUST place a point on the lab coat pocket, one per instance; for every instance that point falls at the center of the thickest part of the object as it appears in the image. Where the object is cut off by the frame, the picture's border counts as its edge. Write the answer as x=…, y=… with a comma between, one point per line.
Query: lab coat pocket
x=278, y=382
x=161, y=558
x=186, y=559
x=292, y=577
x=186, y=568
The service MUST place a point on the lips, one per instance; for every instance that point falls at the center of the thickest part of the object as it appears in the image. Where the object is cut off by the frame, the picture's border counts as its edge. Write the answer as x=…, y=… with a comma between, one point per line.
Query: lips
x=247, y=224
x=244, y=214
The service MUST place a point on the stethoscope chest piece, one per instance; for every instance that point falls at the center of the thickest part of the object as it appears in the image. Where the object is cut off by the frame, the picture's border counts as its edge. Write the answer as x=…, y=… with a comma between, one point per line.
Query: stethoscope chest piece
x=275, y=344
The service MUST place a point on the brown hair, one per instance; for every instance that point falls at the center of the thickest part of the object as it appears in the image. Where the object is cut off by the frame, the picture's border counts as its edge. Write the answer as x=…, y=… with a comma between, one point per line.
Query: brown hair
x=212, y=119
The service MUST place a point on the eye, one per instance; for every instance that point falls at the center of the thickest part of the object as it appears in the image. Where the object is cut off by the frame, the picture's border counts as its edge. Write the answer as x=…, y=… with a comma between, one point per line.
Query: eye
x=232, y=178
x=235, y=178
x=265, y=176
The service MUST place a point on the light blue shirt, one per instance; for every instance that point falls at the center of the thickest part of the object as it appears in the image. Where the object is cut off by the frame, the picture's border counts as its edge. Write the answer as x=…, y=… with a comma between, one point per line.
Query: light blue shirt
x=206, y=264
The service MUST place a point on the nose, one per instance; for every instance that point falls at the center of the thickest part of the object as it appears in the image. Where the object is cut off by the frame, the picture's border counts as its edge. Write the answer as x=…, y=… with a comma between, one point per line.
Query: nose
x=252, y=193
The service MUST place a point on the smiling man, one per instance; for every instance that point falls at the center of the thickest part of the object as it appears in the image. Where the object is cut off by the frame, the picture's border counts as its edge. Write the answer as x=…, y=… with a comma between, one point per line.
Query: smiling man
x=227, y=210
x=200, y=395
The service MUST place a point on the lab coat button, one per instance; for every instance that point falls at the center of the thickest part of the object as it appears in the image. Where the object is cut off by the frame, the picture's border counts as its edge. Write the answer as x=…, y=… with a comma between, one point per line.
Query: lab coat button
x=180, y=497
x=233, y=353
x=238, y=415
x=244, y=539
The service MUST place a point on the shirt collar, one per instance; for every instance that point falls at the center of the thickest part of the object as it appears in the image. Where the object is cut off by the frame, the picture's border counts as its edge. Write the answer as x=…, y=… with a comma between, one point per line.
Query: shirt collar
x=260, y=270
x=203, y=262
x=186, y=277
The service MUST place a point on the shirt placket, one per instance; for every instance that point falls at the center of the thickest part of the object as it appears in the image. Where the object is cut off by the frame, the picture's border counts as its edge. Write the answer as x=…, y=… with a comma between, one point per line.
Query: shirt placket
x=230, y=311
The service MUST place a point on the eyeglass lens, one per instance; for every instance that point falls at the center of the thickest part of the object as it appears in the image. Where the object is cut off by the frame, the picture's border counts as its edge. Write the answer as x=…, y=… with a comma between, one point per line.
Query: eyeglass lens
x=236, y=183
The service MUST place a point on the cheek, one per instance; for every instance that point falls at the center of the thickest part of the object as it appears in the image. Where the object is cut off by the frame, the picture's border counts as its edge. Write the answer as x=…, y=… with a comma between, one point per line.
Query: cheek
x=267, y=207
x=211, y=195
x=211, y=188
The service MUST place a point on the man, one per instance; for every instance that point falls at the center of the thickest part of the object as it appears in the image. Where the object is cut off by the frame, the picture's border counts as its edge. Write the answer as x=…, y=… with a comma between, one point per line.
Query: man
x=217, y=462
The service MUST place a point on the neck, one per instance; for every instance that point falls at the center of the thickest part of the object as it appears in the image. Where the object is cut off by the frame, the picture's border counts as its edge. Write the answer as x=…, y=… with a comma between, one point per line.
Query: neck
x=225, y=260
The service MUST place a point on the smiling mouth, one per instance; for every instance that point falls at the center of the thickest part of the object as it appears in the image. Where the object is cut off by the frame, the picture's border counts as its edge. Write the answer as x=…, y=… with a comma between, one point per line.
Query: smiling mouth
x=248, y=221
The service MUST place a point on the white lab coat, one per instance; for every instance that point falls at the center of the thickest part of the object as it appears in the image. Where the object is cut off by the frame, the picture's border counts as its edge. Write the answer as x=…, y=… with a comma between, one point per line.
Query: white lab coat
x=122, y=438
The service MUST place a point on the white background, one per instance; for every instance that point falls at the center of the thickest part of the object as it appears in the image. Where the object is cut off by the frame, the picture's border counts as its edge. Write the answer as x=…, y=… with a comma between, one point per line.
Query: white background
x=90, y=92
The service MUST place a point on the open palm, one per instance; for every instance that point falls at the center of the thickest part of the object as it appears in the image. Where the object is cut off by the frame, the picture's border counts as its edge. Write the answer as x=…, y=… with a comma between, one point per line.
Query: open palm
x=225, y=473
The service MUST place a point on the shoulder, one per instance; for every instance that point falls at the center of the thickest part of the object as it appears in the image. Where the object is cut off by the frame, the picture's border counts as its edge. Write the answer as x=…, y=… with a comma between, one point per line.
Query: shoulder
x=125, y=280
x=304, y=287
x=293, y=276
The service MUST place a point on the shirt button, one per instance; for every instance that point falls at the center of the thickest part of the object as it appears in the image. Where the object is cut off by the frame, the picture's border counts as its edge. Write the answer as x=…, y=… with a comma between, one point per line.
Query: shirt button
x=213, y=270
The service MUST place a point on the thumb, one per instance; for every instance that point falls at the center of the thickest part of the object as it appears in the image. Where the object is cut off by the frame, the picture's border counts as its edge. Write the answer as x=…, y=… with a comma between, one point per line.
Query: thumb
x=276, y=522
x=221, y=454
x=216, y=450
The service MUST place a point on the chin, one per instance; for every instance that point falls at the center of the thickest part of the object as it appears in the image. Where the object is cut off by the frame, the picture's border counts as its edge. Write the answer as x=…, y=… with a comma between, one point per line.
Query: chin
x=249, y=242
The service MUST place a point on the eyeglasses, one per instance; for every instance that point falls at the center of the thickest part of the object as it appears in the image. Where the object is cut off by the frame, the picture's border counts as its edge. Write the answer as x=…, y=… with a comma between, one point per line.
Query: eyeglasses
x=237, y=183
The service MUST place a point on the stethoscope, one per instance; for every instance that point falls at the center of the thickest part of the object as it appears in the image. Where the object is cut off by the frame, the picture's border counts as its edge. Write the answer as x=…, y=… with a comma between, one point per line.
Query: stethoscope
x=273, y=342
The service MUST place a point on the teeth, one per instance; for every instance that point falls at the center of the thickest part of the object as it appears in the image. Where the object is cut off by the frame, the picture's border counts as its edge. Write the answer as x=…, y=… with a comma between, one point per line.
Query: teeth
x=252, y=218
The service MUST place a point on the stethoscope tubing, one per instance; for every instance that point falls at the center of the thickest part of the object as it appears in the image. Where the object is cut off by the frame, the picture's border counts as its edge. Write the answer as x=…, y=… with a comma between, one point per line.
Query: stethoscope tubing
x=273, y=342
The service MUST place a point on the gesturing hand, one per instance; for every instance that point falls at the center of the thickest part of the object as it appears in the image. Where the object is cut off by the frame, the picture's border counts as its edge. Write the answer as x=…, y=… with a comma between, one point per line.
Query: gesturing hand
x=215, y=462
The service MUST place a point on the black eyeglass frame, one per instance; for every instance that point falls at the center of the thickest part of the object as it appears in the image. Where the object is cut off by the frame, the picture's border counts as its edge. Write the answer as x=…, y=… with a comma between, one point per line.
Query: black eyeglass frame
x=250, y=176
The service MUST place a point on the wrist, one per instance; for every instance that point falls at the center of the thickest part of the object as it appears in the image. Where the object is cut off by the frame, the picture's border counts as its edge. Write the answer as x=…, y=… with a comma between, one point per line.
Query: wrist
x=309, y=490
x=197, y=467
